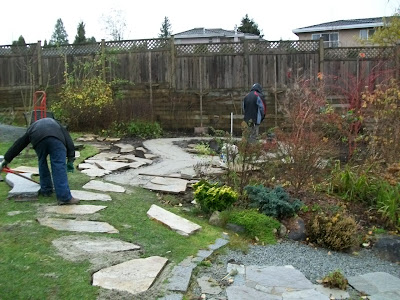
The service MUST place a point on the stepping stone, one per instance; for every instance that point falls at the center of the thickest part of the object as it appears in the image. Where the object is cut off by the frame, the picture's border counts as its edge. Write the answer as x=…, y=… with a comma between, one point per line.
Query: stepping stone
x=376, y=283
x=150, y=156
x=77, y=247
x=209, y=285
x=111, y=165
x=133, y=276
x=88, y=196
x=77, y=226
x=141, y=149
x=105, y=156
x=180, y=276
x=170, y=185
x=74, y=209
x=101, y=147
x=139, y=159
x=84, y=166
x=181, y=225
x=103, y=186
x=333, y=293
x=25, y=169
x=125, y=148
x=22, y=189
x=136, y=164
x=111, y=139
x=95, y=172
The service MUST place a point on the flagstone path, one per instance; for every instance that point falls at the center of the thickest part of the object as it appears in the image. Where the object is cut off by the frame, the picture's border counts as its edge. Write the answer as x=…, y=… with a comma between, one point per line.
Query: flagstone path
x=125, y=271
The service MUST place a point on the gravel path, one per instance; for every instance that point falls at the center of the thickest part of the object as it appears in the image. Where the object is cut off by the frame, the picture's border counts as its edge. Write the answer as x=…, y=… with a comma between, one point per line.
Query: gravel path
x=314, y=263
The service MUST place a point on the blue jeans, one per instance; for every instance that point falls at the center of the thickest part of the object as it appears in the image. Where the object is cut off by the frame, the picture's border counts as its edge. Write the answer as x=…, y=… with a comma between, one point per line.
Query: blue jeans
x=57, y=151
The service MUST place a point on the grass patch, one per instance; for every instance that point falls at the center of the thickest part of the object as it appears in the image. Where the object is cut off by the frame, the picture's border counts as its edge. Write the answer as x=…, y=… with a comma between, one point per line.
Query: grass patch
x=29, y=265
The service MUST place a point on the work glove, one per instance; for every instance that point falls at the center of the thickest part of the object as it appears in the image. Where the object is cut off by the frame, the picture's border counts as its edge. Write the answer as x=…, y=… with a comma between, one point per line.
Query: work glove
x=70, y=166
x=3, y=165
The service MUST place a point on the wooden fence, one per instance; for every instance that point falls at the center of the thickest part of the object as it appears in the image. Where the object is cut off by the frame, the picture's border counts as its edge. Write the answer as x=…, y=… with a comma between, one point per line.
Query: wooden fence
x=173, y=81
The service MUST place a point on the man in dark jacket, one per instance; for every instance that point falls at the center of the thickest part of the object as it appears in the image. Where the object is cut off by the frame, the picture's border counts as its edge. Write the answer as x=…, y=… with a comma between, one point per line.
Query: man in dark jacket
x=254, y=109
x=48, y=137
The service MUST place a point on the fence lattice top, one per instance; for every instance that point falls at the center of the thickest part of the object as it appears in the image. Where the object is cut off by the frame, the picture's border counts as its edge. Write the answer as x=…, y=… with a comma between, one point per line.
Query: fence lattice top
x=250, y=47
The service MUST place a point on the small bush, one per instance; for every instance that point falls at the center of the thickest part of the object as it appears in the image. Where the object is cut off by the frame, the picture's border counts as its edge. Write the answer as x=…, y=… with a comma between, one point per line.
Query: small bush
x=335, y=280
x=336, y=232
x=212, y=197
x=144, y=129
x=257, y=225
x=273, y=202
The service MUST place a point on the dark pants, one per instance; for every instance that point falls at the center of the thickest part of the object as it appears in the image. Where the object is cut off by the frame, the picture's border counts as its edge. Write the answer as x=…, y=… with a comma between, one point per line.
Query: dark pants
x=57, y=151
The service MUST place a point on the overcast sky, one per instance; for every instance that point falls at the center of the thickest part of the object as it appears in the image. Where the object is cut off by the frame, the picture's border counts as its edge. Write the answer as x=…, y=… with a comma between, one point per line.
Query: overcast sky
x=35, y=20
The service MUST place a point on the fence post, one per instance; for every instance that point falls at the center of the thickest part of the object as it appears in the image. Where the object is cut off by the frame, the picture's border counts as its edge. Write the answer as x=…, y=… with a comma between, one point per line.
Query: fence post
x=151, y=89
x=103, y=59
x=321, y=56
x=172, y=80
x=246, y=64
x=397, y=60
x=39, y=62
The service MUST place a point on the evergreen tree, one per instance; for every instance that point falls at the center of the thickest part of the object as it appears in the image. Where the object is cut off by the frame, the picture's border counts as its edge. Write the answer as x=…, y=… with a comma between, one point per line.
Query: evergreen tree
x=249, y=26
x=60, y=36
x=19, y=42
x=80, y=37
x=165, y=30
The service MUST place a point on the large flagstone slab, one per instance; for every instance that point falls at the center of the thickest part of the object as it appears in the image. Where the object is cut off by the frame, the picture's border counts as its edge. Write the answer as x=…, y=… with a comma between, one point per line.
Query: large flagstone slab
x=170, y=185
x=22, y=188
x=375, y=283
x=77, y=247
x=77, y=226
x=125, y=148
x=88, y=196
x=105, y=156
x=74, y=209
x=103, y=186
x=111, y=165
x=181, y=225
x=133, y=276
x=95, y=172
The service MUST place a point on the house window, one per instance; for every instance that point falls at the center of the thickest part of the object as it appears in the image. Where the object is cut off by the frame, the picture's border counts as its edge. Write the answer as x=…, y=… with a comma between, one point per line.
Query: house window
x=331, y=40
x=366, y=34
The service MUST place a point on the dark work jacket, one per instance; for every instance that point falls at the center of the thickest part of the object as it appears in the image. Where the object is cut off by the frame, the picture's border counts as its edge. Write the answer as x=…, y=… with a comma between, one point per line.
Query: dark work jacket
x=254, y=106
x=39, y=130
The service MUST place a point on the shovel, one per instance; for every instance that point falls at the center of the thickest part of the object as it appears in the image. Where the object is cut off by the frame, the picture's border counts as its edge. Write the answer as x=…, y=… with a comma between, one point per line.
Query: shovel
x=8, y=170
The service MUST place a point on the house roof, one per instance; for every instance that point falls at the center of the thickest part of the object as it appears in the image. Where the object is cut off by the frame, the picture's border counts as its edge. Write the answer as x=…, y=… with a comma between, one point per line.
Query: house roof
x=202, y=32
x=343, y=24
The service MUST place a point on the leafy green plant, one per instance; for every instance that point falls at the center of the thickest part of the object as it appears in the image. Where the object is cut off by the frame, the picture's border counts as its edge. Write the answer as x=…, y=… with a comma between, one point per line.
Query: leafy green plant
x=274, y=202
x=203, y=149
x=212, y=197
x=144, y=129
x=257, y=225
x=335, y=280
x=338, y=232
x=388, y=202
x=86, y=98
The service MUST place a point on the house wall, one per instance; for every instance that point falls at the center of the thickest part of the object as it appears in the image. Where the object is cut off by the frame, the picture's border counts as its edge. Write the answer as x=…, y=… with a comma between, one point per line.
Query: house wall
x=347, y=38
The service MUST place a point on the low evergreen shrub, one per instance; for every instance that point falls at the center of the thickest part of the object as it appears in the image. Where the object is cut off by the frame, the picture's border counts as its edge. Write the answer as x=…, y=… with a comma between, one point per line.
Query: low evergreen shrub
x=257, y=225
x=274, y=202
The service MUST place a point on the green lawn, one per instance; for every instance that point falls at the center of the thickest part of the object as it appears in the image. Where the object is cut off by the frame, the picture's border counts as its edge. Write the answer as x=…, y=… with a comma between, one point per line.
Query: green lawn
x=29, y=265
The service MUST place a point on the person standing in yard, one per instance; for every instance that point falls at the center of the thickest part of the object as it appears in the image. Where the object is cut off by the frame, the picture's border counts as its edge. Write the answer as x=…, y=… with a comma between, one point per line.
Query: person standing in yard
x=48, y=138
x=254, y=109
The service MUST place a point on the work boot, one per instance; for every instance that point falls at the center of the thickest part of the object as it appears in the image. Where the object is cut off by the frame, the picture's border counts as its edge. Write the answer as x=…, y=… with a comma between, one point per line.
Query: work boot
x=69, y=202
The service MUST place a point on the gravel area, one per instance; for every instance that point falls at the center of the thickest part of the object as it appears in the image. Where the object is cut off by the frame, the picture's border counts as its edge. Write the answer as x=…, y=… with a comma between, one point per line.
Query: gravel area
x=10, y=133
x=314, y=263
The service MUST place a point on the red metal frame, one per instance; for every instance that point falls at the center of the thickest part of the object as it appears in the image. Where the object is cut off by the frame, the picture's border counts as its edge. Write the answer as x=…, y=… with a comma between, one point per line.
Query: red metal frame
x=39, y=96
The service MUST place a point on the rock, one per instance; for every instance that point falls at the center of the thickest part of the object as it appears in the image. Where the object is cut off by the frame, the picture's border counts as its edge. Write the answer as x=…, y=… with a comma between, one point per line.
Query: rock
x=282, y=231
x=215, y=219
x=388, y=247
x=298, y=230
x=235, y=228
